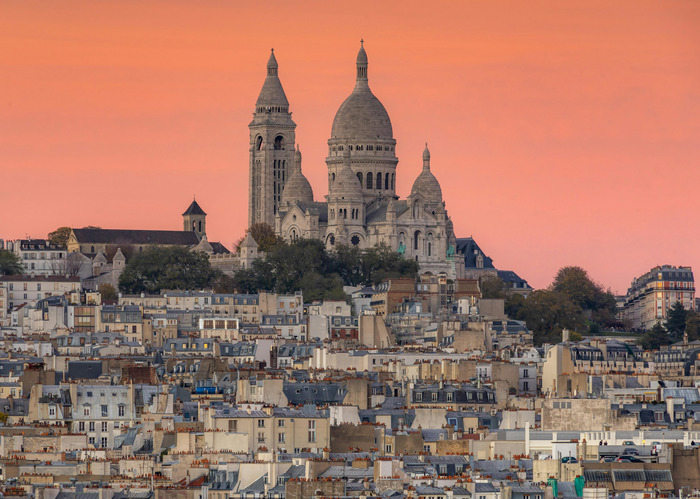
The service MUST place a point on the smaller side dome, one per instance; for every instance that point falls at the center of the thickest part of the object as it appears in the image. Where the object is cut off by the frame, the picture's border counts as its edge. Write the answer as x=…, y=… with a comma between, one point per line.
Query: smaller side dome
x=426, y=184
x=346, y=183
x=297, y=187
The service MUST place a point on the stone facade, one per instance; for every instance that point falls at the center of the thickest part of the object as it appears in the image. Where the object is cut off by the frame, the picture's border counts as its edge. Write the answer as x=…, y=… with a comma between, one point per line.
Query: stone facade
x=361, y=208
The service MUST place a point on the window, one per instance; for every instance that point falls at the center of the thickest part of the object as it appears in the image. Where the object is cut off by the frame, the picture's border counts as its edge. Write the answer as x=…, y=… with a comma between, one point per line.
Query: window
x=86, y=411
x=419, y=397
x=91, y=440
x=103, y=442
x=261, y=423
x=103, y=409
x=312, y=431
x=81, y=426
x=434, y=396
x=91, y=426
x=104, y=425
x=52, y=411
x=280, y=423
x=121, y=411
x=280, y=438
x=449, y=396
x=261, y=437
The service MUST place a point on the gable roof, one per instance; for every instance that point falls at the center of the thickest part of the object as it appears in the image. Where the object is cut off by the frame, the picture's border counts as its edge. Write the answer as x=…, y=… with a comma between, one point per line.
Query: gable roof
x=129, y=236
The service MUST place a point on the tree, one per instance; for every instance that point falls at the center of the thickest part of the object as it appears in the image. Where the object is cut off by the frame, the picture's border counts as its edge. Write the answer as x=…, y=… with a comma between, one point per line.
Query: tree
x=547, y=313
x=171, y=267
x=692, y=325
x=654, y=338
x=597, y=304
x=70, y=265
x=264, y=235
x=675, y=320
x=492, y=287
x=107, y=292
x=10, y=264
x=60, y=236
x=305, y=263
x=575, y=283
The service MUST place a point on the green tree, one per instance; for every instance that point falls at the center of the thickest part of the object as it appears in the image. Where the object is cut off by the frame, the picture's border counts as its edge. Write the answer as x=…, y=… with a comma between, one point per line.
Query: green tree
x=492, y=287
x=676, y=320
x=60, y=236
x=654, y=338
x=692, y=325
x=305, y=263
x=547, y=313
x=264, y=235
x=172, y=267
x=575, y=283
x=107, y=292
x=596, y=303
x=10, y=264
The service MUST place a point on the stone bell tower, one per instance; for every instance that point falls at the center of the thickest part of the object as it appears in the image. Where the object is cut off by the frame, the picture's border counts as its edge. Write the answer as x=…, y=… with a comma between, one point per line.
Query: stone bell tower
x=272, y=138
x=195, y=220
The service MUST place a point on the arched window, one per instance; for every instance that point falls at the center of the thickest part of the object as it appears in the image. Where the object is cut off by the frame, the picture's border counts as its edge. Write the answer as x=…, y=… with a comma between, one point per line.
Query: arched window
x=258, y=144
x=279, y=143
x=430, y=248
x=369, y=180
x=379, y=180
x=200, y=226
x=392, y=181
x=92, y=249
x=359, y=177
x=416, y=236
x=386, y=181
x=333, y=177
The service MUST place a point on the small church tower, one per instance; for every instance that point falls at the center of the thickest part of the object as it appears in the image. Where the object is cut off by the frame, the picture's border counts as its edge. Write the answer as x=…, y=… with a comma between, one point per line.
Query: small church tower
x=272, y=138
x=195, y=220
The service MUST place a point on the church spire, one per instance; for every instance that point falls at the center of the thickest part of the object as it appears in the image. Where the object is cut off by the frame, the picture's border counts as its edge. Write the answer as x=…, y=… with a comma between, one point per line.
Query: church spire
x=272, y=97
x=272, y=64
x=362, y=66
x=426, y=158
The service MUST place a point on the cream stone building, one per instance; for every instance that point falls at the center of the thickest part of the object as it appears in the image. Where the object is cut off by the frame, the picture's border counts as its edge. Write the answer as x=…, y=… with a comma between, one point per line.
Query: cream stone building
x=362, y=208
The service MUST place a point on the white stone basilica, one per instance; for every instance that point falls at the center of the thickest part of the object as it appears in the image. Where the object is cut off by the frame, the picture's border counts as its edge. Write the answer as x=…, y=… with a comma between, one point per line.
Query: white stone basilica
x=361, y=207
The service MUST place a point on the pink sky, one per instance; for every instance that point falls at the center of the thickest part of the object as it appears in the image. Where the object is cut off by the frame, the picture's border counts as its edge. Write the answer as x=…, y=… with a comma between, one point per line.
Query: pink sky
x=563, y=133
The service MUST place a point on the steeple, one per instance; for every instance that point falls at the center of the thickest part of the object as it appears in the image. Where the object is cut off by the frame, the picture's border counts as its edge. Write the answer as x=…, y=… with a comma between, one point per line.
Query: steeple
x=272, y=97
x=272, y=65
x=426, y=158
x=194, y=219
x=362, y=67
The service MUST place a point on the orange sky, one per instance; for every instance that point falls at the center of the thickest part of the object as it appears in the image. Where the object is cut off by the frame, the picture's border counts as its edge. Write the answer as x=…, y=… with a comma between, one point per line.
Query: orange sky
x=563, y=133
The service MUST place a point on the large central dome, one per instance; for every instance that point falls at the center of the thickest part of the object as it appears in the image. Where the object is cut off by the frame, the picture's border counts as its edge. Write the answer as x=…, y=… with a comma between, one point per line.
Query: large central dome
x=361, y=115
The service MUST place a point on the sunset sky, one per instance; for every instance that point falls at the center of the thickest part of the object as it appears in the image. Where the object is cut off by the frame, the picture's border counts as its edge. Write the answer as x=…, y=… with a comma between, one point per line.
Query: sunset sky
x=562, y=132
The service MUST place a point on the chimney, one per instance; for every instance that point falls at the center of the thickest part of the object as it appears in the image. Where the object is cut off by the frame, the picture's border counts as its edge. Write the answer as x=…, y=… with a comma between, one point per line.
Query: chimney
x=670, y=408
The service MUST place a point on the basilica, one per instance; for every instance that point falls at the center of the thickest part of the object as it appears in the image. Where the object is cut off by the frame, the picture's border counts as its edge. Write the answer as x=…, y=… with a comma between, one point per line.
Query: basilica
x=361, y=208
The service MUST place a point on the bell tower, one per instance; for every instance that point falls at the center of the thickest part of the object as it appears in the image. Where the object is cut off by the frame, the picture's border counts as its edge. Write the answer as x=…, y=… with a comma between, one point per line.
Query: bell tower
x=195, y=220
x=272, y=139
